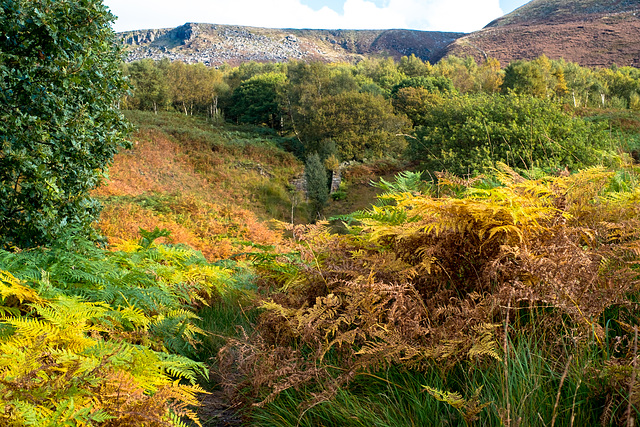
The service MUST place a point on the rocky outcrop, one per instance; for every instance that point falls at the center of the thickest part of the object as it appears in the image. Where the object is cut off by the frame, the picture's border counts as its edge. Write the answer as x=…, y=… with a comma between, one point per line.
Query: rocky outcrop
x=592, y=33
x=217, y=44
x=141, y=37
x=165, y=37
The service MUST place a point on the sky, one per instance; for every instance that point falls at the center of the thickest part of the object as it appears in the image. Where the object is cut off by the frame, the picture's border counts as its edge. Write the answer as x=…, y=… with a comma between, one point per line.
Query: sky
x=427, y=15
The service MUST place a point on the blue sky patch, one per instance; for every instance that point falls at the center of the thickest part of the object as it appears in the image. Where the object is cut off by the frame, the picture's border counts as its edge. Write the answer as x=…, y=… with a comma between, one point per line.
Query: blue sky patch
x=338, y=5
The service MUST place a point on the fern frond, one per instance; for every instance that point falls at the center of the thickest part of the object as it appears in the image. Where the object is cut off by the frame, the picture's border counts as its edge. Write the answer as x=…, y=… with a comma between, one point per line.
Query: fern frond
x=182, y=367
x=12, y=287
x=454, y=399
x=484, y=343
x=469, y=409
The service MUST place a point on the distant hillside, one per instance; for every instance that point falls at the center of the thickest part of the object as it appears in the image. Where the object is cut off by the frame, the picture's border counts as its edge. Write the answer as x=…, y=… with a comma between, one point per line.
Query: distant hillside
x=589, y=32
x=218, y=44
x=559, y=11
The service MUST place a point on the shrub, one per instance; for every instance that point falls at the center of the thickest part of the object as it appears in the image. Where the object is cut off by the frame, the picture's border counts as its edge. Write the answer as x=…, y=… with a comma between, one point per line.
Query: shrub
x=468, y=135
x=317, y=188
x=60, y=82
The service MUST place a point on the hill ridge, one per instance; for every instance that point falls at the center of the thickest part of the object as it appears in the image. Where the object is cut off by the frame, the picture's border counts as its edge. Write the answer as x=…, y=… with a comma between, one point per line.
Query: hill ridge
x=215, y=44
x=592, y=33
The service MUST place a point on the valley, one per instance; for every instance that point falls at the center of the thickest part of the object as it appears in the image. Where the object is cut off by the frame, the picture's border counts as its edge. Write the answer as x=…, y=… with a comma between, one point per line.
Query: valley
x=241, y=226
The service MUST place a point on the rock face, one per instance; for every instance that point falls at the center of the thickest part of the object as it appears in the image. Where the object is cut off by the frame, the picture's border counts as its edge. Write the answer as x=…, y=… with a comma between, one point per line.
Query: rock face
x=217, y=44
x=590, y=32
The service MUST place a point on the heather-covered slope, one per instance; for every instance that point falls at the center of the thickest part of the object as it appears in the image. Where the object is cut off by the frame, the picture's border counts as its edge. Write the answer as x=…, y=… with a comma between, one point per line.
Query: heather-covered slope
x=588, y=32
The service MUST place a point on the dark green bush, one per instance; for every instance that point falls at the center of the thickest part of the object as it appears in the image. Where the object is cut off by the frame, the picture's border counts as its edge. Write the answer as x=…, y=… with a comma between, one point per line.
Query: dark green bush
x=469, y=134
x=60, y=82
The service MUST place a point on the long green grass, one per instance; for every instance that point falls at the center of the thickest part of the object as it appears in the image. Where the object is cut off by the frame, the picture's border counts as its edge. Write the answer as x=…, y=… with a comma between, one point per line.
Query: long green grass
x=222, y=320
x=533, y=388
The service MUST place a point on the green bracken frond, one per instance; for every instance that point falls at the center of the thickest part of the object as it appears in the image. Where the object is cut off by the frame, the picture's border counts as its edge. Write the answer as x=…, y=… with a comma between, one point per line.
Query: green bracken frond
x=468, y=408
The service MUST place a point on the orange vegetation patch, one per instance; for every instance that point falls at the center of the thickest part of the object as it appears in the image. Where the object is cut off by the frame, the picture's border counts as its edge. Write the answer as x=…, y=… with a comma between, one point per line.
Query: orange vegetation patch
x=155, y=163
x=192, y=186
x=218, y=232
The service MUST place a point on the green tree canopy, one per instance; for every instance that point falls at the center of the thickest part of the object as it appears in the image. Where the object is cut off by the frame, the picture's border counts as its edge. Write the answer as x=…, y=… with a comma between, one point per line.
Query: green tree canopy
x=383, y=72
x=461, y=71
x=431, y=84
x=470, y=134
x=258, y=100
x=60, y=81
x=361, y=124
x=524, y=78
x=151, y=89
x=413, y=66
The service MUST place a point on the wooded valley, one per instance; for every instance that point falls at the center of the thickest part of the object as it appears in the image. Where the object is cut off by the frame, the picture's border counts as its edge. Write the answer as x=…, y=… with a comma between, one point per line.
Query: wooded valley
x=162, y=265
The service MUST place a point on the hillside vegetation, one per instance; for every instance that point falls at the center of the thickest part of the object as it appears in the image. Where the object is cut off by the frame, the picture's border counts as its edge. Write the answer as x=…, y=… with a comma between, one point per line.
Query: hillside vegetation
x=553, y=11
x=498, y=304
x=504, y=295
x=378, y=107
x=481, y=266
x=210, y=186
x=589, y=32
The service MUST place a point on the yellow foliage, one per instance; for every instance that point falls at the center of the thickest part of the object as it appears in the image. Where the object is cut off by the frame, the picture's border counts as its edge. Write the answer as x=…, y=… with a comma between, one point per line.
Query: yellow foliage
x=11, y=287
x=468, y=408
x=55, y=369
x=430, y=279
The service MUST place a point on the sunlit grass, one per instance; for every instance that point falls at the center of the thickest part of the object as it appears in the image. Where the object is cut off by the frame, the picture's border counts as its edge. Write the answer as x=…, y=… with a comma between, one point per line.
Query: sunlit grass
x=211, y=185
x=538, y=395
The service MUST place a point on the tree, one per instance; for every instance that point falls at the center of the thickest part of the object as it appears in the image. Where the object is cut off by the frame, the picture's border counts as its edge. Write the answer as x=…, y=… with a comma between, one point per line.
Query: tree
x=179, y=85
x=258, y=100
x=317, y=189
x=413, y=66
x=150, y=85
x=60, y=81
x=580, y=81
x=308, y=84
x=216, y=88
x=361, y=124
x=461, y=71
x=621, y=82
x=383, y=72
x=525, y=78
x=471, y=134
x=415, y=102
x=560, y=89
x=489, y=76
x=431, y=84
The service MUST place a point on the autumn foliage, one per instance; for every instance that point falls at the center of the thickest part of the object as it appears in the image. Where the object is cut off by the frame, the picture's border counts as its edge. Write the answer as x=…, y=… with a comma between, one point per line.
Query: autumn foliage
x=454, y=280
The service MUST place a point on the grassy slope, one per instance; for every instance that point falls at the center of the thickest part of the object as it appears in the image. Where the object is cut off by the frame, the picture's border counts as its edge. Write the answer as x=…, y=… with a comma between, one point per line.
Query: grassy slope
x=215, y=187
x=211, y=186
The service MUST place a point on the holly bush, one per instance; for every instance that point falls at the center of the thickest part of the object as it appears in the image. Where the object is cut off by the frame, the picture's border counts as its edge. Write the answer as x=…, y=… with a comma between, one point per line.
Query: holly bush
x=60, y=83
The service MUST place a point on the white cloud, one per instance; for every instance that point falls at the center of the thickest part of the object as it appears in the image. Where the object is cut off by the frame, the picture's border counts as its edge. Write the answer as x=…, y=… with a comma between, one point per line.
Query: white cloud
x=434, y=15
x=448, y=15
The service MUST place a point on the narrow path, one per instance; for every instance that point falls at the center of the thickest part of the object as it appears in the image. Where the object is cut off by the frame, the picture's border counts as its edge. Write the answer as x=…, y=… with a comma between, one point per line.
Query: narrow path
x=216, y=411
